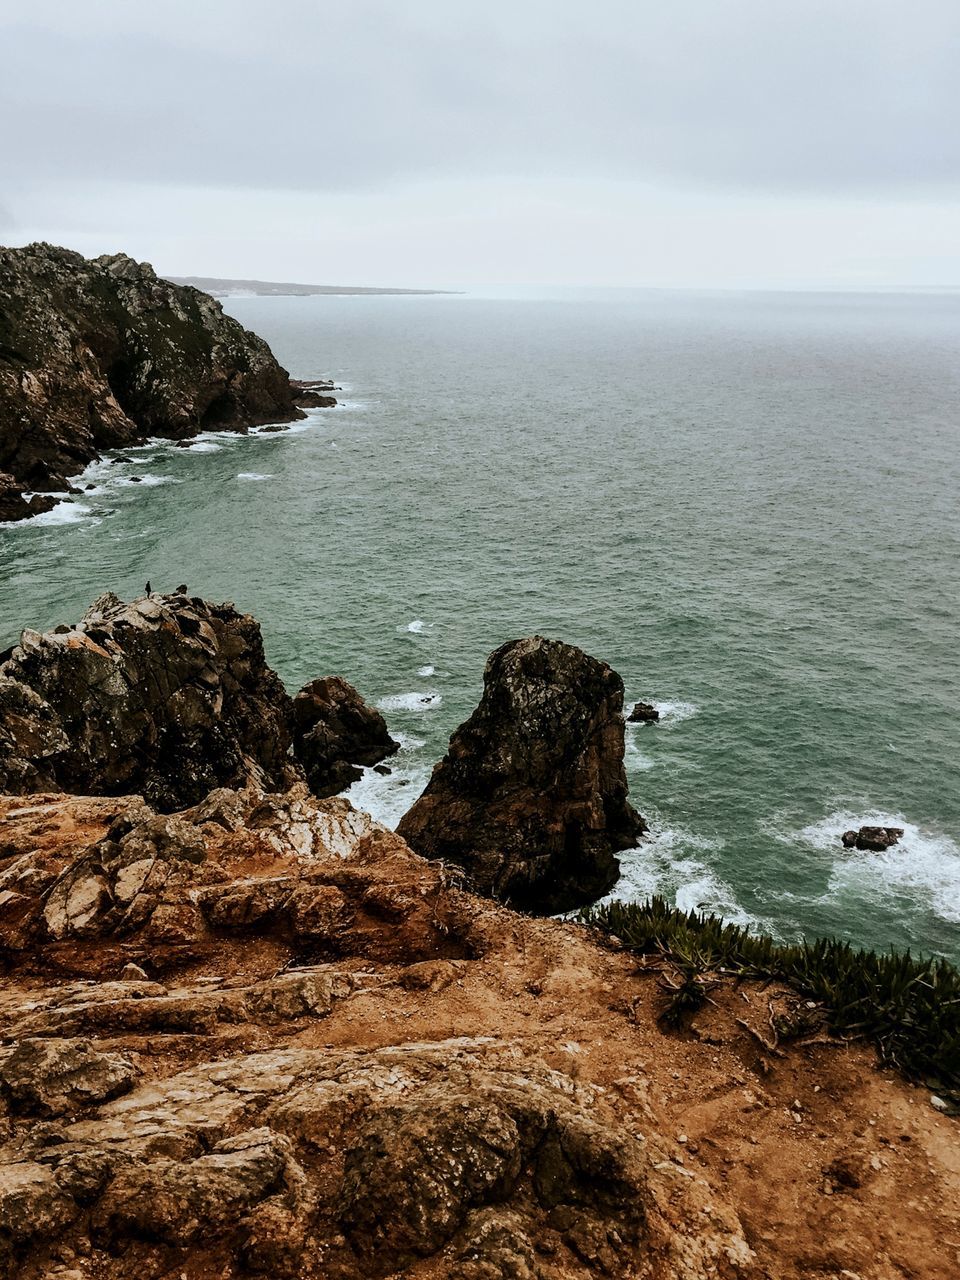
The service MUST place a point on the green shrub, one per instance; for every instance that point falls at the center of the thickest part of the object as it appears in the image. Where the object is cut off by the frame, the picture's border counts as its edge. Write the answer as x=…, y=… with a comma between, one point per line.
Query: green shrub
x=909, y=1008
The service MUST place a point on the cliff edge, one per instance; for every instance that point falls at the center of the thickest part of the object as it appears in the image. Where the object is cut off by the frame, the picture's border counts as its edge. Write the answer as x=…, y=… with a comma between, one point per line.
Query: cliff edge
x=96, y=354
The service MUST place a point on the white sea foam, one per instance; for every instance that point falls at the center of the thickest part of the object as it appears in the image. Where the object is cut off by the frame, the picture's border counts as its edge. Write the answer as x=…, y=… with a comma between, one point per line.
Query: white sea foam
x=204, y=446
x=62, y=513
x=254, y=475
x=407, y=740
x=426, y=671
x=674, y=712
x=923, y=865
x=418, y=700
x=675, y=863
x=388, y=797
x=634, y=758
x=416, y=627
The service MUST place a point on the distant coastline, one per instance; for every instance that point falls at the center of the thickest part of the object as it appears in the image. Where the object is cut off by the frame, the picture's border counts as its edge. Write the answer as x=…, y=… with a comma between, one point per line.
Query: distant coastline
x=271, y=288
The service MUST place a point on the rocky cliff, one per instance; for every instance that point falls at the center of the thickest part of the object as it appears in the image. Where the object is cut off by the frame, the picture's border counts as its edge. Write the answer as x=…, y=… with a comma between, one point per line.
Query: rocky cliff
x=171, y=696
x=261, y=1037
x=531, y=797
x=97, y=354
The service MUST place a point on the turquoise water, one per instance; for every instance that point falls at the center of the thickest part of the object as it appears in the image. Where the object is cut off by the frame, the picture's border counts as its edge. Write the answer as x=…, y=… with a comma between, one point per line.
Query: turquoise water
x=747, y=504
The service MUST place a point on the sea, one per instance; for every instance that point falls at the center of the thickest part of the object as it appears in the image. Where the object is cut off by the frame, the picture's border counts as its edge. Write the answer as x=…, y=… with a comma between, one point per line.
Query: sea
x=746, y=503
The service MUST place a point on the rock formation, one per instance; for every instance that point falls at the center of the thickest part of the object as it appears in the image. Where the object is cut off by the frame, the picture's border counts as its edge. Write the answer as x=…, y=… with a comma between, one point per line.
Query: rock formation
x=98, y=354
x=262, y=1037
x=643, y=713
x=168, y=696
x=334, y=731
x=873, y=839
x=531, y=797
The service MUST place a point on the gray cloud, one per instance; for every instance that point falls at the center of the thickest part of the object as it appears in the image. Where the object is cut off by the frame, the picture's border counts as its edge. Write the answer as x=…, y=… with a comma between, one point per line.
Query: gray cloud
x=814, y=95
x=717, y=142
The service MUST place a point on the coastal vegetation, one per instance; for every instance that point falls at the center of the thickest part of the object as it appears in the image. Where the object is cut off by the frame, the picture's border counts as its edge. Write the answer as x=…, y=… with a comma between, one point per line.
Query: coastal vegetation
x=908, y=1006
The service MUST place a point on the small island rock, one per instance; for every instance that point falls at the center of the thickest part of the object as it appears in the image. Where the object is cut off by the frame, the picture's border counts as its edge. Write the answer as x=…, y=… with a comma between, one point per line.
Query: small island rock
x=643, y=713
x=872, y=839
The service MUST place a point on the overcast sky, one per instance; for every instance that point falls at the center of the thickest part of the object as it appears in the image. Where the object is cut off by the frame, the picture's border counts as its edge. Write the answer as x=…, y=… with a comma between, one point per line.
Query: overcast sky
x=719, y=143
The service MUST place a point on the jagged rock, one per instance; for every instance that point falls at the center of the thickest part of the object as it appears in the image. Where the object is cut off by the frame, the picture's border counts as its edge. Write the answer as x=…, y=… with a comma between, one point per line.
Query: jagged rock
x=872, y=839
x=167, y=696
x=14, y=502
x=643, y=713
x=531, y=797
x=98, y=354
x=334, y=731
x=51, y=1078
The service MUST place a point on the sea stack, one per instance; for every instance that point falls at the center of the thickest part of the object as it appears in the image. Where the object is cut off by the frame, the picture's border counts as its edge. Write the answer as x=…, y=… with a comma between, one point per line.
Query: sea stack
x=531, y=797
x=97, y=354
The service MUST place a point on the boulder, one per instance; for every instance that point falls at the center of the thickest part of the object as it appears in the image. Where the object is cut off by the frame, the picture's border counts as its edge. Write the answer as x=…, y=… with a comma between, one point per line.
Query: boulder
x=99, y=354
x=643, y=713
x=872, y=839
x=56, y=1077
x=334, y=731
x=531, y=797
x=166, y=696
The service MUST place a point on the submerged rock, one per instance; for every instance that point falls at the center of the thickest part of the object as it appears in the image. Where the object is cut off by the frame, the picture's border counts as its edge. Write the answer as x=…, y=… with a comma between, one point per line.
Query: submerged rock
x=166, y=696
x=97, y=354
x=531, y=797
x=872, y=839
x=643, y=713
x=334, y=731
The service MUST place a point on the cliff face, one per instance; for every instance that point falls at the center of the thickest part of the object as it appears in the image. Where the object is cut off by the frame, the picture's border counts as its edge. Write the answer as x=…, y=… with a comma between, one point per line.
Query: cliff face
x=97, y=354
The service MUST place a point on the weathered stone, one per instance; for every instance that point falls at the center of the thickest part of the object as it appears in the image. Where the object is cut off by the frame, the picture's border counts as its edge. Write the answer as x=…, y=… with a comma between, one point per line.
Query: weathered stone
x=531, y=797
x=53, y=1077
x=167, y=696
x=334, y=731
x=872, y=839
x=99, y=354
x=643, y=713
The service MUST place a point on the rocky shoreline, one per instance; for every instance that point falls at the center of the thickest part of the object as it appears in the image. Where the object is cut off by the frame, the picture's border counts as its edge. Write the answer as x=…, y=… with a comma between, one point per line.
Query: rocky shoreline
x=247, y=1031
x=101, y=354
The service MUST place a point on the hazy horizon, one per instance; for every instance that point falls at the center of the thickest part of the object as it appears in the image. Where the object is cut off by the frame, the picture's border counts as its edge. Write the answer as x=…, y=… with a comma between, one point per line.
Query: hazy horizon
x=806, y=146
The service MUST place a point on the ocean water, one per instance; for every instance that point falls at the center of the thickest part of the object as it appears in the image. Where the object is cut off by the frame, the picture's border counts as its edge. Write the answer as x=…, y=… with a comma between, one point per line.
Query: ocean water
x=747, y=504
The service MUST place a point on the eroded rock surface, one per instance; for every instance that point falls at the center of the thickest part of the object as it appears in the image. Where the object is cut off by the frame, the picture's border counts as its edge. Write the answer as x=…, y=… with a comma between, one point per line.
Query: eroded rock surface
x=335, y=731
x=531, y=797
x=872, y=839
x=98, y=354
x=167, y=696
x=277, y=1042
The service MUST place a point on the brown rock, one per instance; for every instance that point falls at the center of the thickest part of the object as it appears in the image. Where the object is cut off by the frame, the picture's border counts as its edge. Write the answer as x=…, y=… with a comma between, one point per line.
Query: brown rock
x=334, y=731
x=872, y=839
x=643, y=713
x=99, y=354
x=531, y=797
x=54, y=1077
x=167, y=696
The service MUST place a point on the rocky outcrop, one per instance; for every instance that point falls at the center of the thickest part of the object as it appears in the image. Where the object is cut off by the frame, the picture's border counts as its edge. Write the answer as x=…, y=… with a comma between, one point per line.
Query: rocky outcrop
x=313, y=395
x=531, y=797
x=98, y=354
x=334, y=732
x=168, y=696
x=17, y=504
x=643, y=713
x=274, y=1041
x=872, y=839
